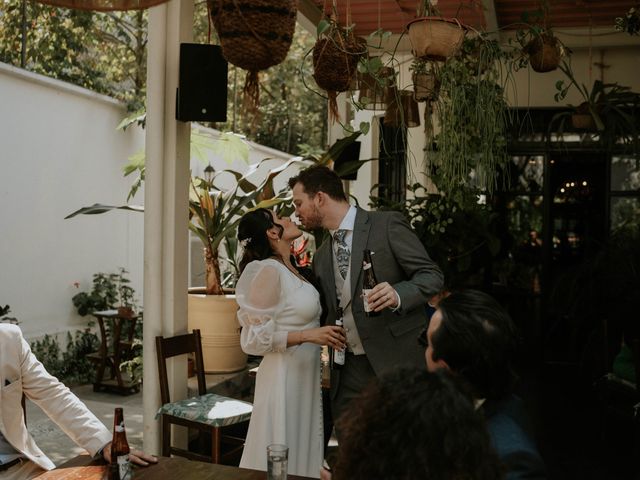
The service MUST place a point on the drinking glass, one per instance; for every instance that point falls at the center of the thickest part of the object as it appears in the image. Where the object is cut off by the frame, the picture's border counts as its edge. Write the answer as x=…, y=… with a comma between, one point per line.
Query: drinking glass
x=277, y=462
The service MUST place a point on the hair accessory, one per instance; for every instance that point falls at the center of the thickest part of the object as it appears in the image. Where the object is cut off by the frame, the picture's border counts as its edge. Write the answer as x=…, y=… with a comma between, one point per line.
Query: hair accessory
x=245, y=242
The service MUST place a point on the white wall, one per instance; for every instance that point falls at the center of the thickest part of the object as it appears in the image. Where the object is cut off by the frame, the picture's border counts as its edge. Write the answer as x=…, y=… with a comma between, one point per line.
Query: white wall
x=61, y=151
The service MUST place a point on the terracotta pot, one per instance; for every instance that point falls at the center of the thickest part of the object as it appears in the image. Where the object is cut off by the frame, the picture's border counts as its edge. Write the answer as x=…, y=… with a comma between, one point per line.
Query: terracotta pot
x=435, y=38
x=215, y=316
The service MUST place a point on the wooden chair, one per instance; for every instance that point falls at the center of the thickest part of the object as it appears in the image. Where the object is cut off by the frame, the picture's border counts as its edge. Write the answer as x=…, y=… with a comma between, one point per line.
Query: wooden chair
x=226, y=419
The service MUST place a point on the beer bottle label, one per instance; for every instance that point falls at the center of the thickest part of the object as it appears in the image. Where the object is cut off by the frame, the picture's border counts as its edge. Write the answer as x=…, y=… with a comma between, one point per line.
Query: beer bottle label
x=365, y=301
x=124, y=467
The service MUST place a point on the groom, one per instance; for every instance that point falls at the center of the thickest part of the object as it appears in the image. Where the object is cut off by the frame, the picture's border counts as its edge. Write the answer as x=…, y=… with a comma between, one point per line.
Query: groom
x=408, y=279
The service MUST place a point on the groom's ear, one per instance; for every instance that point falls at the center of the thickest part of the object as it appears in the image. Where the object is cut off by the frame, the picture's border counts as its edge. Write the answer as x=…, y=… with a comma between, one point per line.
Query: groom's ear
x=321, y=198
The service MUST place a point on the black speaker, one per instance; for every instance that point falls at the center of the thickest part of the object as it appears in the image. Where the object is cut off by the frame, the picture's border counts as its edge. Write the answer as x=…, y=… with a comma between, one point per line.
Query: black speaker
x=350, y=153
x=202, y=86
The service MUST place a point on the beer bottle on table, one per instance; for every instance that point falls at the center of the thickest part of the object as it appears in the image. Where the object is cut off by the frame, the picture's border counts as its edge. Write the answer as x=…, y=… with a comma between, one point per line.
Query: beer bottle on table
x=120, y=467
x=337, y=356
x=368, y=282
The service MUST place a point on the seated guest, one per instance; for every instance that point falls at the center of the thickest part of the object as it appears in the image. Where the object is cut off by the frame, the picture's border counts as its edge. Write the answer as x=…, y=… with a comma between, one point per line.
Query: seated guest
x=412, y=424
x=22, y=373
x=471, y=335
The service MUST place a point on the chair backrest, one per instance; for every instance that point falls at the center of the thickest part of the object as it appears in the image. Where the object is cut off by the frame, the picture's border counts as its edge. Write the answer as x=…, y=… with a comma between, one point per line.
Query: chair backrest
x=172, y=347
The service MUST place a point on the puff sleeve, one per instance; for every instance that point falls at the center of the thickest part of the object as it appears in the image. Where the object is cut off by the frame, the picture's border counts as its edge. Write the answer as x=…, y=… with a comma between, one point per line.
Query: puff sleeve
x=258, y=293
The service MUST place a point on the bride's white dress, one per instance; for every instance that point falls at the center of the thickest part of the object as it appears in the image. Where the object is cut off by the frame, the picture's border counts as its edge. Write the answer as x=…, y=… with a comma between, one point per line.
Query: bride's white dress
x=287, y=406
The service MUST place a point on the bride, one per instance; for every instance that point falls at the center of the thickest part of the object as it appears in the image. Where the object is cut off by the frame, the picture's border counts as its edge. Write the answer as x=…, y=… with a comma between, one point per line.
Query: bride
x=279, y=314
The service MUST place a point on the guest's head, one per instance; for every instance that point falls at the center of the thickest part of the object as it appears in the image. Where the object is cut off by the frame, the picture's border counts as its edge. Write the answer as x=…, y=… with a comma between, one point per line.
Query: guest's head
x=413, y=424
x=316, y=191
x=474, y=337
x=263, y=234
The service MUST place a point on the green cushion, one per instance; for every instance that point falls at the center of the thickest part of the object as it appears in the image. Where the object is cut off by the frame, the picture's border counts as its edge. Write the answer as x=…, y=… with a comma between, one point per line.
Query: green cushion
x=212, y=409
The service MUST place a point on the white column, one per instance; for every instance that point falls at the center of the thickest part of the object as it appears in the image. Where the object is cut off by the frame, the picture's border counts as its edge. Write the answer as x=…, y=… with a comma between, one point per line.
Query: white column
x=166, y=207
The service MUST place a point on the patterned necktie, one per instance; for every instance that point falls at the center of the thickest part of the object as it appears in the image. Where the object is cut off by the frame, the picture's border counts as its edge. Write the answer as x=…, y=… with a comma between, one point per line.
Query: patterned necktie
x=342, y=253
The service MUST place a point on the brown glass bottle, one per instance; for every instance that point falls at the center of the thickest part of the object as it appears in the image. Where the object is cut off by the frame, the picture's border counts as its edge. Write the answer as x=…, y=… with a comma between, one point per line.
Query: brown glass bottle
x=120, y=467
x=369, y=281
x=337, y=357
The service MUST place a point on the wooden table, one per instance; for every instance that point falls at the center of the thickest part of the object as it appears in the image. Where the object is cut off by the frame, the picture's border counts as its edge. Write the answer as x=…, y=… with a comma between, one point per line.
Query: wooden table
x=116, y=339
x=84, y=468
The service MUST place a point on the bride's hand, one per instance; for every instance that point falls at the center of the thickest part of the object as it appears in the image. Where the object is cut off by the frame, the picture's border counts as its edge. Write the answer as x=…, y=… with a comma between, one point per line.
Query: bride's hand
x=329, y=335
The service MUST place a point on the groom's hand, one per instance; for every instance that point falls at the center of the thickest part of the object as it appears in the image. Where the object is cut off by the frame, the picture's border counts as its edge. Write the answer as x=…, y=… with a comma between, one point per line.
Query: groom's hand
x=382, y=296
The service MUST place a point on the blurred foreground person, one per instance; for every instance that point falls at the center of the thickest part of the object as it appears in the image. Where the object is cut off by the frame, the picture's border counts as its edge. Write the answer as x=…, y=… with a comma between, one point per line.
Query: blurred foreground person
x=471, y=335
x=413, y=424
x=22, y=373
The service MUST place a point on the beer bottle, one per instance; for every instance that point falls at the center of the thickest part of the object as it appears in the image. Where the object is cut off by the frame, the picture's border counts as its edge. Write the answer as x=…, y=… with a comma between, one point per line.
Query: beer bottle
x=337, y=356
x=120, y=467
x=368, y=282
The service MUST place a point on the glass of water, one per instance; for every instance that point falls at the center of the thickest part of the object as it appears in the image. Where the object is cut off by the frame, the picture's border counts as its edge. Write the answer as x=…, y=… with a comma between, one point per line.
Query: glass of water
x=277, y=462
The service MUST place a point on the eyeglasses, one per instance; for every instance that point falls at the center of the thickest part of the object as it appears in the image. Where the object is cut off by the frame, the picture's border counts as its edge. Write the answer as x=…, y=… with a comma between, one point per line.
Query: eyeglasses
x=422, y=338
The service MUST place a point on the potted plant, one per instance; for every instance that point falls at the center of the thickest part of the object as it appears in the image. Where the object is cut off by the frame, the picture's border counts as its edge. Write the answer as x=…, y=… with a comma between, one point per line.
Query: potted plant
x=630, y=22
x=543, y=49
x=432, y=36
x=425, y=81
x=335, y=60
x=606, y=107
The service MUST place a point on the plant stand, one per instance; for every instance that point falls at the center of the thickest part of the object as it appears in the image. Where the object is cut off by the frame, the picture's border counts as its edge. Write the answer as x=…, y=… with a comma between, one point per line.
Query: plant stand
x=116, y=341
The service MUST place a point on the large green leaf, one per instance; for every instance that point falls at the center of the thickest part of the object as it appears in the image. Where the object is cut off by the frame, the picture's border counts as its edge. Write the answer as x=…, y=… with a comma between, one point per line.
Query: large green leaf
x=98, y=208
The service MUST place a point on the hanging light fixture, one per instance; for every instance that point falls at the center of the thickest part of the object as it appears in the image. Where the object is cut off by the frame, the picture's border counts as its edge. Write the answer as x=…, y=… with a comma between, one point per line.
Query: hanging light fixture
x=376, y=89
x=402, y=109
x=208, y=175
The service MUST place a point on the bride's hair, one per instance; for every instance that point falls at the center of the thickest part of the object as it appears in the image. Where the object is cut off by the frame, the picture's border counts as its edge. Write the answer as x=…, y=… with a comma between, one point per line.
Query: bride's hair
x=252, y=235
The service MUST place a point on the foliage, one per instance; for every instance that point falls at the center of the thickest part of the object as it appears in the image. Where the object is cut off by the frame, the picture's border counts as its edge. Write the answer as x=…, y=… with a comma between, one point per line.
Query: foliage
x=4, y=315
x=70, y=367
x=104, y=52
x=109, y=291
x=472, y=112
x=630, y=23
x=460, y=234
x=613, y=107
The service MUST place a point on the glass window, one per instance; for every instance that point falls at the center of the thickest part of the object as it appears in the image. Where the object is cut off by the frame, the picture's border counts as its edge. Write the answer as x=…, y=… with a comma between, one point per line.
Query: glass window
x=625, y=174
x=625, y=212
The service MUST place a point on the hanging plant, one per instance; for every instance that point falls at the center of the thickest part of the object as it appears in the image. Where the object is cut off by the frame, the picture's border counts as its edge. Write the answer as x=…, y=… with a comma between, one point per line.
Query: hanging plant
x=425, y=81
x=543, y=50
x=254, y=35
x=432, y=36
x=472, y=113
x=335, y=60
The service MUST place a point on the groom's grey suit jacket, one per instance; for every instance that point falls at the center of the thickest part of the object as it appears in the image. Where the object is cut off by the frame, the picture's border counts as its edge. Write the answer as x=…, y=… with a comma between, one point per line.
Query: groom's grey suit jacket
x=389, y=340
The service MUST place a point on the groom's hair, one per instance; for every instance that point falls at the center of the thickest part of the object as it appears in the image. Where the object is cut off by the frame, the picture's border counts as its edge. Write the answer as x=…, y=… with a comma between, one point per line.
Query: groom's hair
x=319, y=178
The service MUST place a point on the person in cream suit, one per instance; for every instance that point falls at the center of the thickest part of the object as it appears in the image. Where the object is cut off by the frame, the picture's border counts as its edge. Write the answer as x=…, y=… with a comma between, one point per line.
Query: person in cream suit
x=407, y=278
x=21, y=373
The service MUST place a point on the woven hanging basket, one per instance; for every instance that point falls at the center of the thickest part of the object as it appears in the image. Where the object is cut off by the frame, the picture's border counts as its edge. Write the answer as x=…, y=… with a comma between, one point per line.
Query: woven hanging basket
x=254, y=35
x=435, y=38
x=335, y=61
x=545, y=53
x=103, y=5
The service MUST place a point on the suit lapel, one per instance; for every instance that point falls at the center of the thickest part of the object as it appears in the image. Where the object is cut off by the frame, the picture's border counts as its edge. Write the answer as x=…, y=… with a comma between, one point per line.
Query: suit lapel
x=324, y=257
x=360, y=236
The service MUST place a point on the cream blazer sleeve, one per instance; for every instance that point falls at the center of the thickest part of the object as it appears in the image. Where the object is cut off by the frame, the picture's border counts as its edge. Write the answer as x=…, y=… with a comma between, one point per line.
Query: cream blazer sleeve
x=25, y=374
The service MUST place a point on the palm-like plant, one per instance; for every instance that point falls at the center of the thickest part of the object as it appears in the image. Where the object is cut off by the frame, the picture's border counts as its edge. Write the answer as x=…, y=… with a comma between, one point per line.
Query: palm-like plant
x=214, y=214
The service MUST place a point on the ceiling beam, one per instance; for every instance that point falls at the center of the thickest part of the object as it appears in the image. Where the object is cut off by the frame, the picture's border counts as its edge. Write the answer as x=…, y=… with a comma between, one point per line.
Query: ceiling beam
x=309, y=15
x=490, y=17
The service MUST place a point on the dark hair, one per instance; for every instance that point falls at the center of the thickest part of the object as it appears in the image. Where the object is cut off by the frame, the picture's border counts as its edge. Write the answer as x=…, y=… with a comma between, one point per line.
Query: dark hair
x=252, y=230
x=477, y=339
x=319, y=178
x=412, y=424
